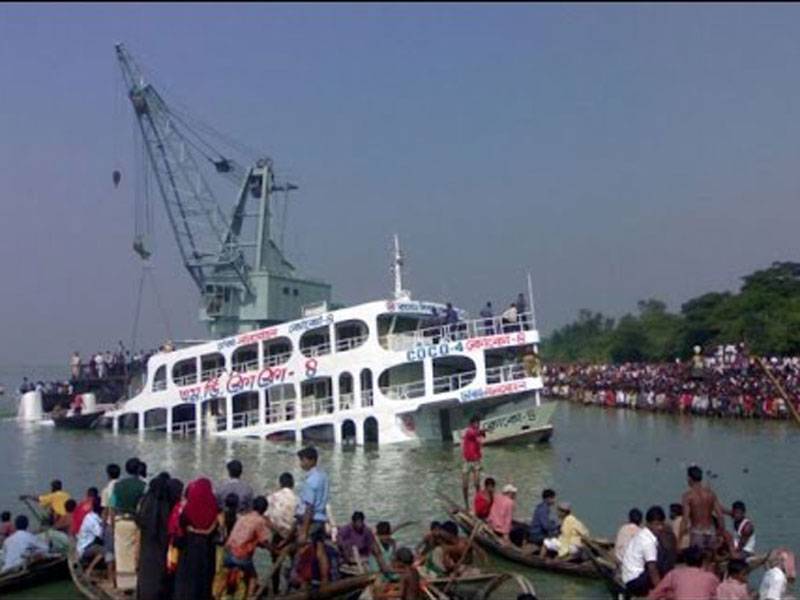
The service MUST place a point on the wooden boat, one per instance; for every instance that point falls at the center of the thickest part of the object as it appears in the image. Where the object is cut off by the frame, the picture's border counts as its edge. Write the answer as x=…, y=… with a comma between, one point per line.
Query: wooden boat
x=102, y=590
x=491, y=543
x=80, y=421
x=35, y=572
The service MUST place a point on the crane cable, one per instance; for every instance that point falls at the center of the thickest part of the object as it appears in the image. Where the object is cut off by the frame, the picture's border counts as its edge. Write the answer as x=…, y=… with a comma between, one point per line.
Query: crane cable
x=148, y=271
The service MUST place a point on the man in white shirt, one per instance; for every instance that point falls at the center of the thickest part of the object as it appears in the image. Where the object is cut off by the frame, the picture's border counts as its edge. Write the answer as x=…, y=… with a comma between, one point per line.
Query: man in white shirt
x=639, y=562
x=627, y=532
x=773, y=585
x=281, y=511
x=90, y=539
x=21, y=545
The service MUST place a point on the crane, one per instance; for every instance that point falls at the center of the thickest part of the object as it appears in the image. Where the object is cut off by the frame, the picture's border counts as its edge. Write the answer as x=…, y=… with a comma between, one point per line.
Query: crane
x=244, y=279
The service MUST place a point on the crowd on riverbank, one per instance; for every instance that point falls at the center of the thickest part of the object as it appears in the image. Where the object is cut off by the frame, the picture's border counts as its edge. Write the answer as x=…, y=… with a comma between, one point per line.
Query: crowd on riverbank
x=728, y=384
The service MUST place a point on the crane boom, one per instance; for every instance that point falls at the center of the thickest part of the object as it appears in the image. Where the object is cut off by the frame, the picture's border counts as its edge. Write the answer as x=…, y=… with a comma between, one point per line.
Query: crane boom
x=239, y=277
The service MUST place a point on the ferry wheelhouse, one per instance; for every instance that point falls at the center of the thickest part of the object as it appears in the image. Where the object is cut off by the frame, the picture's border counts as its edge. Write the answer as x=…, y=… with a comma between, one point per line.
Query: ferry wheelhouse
x=386, y=371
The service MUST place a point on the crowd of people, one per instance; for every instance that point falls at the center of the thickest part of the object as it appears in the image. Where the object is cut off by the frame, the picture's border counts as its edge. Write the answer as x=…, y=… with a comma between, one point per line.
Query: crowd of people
x=663, y=559
x=163, y=540
x=727, y=383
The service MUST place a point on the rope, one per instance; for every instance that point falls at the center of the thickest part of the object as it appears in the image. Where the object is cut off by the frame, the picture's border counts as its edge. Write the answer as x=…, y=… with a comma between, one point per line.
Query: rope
x=137, y=310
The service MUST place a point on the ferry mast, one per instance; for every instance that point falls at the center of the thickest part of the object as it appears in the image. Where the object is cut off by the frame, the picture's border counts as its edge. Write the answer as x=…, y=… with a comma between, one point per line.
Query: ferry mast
x=244, y=279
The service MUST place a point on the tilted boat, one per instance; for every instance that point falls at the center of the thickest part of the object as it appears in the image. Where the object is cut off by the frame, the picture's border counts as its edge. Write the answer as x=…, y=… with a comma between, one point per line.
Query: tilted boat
x=492, y=544
x=87, y=420
x=34, y=573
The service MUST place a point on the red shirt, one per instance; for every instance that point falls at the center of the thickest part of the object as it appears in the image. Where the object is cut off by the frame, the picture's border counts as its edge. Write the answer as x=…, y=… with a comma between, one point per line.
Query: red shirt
x=482, y=504
x=83, y=509
x=471, y=447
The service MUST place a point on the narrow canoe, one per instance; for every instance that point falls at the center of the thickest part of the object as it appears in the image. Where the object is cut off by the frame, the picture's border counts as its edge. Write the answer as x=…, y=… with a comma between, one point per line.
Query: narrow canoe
x=492, y=544
x=36, y=572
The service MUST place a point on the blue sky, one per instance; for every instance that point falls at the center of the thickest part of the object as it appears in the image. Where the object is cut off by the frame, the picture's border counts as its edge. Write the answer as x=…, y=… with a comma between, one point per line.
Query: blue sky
x=618, y=152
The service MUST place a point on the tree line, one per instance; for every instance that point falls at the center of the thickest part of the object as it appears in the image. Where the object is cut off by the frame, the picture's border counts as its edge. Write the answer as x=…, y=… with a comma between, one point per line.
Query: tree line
x=764, y=313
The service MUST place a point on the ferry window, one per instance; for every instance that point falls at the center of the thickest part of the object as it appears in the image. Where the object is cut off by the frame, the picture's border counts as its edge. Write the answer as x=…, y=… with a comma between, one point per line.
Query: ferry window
x=397, y=332
x=286, y=291
x=350, y=334
x=245, y=358
x=366, y=387
x=316, y=396
x=345, y=391
x=296, y=292
x=184, y=372
x=403, y=381
x=316, y=342
x=211, y=366
x=452, y=373
x=160, y=379
x=245, y=409
x=277, y=351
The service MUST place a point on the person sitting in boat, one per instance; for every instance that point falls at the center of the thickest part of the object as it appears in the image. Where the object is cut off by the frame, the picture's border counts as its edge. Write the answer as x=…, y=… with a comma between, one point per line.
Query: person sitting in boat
x=90, y=539
x=744, y=532
x=6, y=526
x=76, y=406
x=408, y=585
x=430, y=539
x=386, y=546
x=21, y=545
x=690, y=581
x=734, y=587
x=543, y=525
x=64, y=522
x=357, y=543
x=569, y=543
x=501, y=514
x=82, y=509
x=252, y=530
x=627, y=531
x=482, y=503
x=54, y=502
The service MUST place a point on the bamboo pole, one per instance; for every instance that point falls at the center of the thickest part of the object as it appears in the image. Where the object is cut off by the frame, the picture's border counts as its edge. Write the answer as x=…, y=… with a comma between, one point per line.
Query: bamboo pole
x=780, y=389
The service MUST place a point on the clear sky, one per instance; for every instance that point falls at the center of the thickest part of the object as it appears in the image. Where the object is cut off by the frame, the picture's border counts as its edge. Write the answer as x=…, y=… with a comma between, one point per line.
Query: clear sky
x=618, y=152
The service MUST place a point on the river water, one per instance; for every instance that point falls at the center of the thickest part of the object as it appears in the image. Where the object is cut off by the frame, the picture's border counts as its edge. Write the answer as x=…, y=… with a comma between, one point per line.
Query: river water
x=603, y=461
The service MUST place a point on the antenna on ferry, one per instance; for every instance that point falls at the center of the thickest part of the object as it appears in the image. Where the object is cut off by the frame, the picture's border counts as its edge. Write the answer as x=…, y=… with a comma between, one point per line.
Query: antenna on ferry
x=530, y=301
x=397, y=267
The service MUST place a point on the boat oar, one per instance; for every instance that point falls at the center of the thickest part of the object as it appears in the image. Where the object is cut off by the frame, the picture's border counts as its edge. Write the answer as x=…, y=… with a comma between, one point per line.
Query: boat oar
x=475, y=528
x=779, y=387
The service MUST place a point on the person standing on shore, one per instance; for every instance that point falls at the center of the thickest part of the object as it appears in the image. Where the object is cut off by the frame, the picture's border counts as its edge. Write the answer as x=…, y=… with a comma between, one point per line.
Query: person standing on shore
x=471, y=453
x=75, y=365
x=122, y=510
x=700, y=506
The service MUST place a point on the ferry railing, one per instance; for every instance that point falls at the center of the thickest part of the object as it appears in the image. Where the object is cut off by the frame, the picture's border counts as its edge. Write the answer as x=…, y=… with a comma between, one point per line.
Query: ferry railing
x=405, y=391
x=346, y=344
x=312, y=406
x=346, y=401
x=318, y=350
x=184, y=428
x=455, y=381
x=244, y=367
x=278, y=412
x=273, y=360
x=367, y=397
x=185, y=379
x=210, y=374
x=454, y=332
x=222, y=422
x=503, y=373
x=245, y=419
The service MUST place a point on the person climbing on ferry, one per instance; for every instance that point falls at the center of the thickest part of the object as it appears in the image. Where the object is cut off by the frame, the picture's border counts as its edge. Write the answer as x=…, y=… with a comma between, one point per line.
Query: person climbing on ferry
x=471, y=453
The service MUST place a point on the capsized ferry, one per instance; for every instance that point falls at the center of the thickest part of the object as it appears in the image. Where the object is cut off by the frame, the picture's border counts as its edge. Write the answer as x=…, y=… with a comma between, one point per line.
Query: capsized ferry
x=386, y=371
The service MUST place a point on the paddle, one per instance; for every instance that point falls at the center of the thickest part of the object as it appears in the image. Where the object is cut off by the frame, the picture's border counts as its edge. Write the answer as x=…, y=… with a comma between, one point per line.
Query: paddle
x=476, y=527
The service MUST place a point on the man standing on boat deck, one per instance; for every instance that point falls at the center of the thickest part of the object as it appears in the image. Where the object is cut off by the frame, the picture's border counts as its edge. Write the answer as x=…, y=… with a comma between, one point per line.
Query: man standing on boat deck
x=122, y=508
x=234, y=485
x=471, y=453
x=487, y=314
x=312, y=508
x=640, y=561
x=700, y=506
